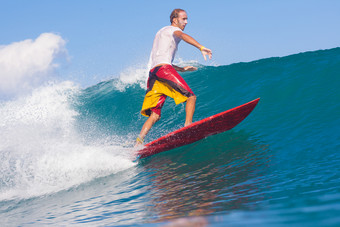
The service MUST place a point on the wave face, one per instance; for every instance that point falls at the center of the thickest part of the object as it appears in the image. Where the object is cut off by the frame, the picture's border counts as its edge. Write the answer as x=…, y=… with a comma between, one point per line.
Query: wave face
x=71, y=147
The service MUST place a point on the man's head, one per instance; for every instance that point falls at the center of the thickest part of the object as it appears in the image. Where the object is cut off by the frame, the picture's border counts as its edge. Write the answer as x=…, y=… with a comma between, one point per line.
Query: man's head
x=179, y=18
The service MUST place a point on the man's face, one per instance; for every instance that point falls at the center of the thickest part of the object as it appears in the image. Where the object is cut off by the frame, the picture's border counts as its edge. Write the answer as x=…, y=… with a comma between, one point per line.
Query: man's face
x=181, y=20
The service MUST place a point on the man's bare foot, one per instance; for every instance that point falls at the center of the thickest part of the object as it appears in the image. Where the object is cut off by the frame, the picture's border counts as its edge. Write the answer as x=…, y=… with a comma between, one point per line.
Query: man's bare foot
x=139, y=142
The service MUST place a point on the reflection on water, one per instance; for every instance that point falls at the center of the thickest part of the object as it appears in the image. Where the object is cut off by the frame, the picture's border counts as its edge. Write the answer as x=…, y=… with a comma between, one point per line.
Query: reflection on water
x=221, y=173
x=188, y=222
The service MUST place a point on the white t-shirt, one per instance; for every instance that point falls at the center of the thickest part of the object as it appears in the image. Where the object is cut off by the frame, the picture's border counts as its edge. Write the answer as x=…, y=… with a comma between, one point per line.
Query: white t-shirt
x=164, y=46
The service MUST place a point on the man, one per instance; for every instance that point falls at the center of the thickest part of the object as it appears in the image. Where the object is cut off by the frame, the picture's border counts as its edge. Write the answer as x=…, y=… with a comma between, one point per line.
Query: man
x=163, y=79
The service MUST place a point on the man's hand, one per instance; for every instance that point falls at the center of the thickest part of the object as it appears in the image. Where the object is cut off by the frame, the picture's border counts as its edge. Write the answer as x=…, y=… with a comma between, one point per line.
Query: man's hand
x=189, y=68
x=184, y=69
x=206, y=51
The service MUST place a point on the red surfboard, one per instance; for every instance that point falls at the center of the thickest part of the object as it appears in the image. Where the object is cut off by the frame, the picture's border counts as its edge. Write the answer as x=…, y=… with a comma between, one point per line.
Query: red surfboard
x=198, y=130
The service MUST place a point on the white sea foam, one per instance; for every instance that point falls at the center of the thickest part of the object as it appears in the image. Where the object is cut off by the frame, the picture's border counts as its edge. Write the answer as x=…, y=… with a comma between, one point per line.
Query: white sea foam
x=133, y=75
x=41, y=151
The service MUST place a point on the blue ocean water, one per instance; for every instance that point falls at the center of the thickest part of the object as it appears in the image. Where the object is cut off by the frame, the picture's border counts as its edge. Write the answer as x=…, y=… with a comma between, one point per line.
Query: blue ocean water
x=66, y=156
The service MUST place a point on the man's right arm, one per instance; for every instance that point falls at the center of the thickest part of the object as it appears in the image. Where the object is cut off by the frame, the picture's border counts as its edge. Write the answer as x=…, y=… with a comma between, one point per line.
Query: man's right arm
x=187, y=38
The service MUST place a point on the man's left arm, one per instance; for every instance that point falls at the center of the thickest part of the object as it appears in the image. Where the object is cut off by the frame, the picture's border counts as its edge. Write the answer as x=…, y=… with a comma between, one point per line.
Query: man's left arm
x=187, y=38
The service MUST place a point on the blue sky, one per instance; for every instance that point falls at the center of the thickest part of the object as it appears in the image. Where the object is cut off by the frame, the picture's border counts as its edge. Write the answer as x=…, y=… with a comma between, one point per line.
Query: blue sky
x=105, y=37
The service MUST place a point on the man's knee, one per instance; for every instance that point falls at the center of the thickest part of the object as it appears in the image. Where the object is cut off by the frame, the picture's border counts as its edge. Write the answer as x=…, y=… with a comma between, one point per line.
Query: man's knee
x=192, y=98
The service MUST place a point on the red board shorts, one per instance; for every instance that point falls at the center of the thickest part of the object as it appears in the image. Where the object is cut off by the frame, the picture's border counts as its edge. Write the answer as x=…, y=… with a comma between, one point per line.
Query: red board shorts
x=164, y=81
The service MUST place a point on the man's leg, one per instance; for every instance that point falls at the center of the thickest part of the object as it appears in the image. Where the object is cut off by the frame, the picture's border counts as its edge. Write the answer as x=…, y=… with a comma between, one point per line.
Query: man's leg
x=148, y=125
x=190, y=109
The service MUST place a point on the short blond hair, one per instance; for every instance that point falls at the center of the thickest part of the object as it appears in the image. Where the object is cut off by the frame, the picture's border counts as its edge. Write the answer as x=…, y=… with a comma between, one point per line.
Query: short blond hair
x=174, y=14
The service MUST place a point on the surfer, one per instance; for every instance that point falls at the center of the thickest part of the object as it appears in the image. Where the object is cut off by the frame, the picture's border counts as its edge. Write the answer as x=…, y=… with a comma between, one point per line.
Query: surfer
x=163, y=78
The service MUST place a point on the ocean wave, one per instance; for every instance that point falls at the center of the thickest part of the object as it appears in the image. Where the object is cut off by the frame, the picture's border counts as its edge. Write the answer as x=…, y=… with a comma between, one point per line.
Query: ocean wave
x=41, y=150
